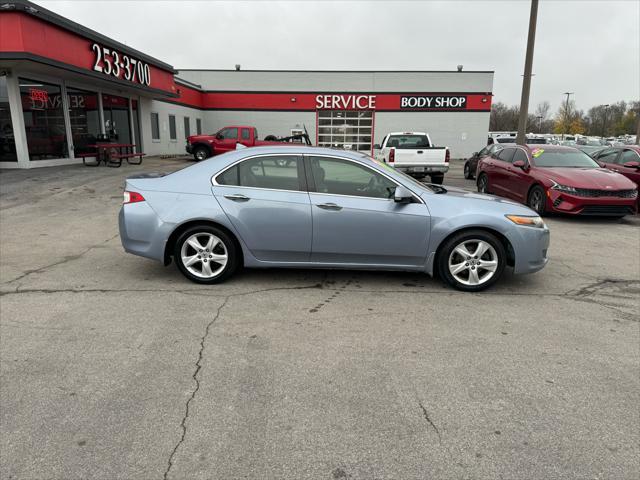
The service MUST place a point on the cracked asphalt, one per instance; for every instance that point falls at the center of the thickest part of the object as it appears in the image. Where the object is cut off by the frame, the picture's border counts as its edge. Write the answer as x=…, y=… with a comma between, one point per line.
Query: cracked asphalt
x=115, y=367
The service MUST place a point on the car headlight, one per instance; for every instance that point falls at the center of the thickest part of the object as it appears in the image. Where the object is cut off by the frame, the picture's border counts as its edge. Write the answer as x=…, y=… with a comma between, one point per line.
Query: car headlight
x=563, y=188
x=527, y=221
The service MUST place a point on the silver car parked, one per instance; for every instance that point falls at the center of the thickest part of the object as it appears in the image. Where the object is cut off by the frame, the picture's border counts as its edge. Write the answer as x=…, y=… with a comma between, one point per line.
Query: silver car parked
x=322, y=208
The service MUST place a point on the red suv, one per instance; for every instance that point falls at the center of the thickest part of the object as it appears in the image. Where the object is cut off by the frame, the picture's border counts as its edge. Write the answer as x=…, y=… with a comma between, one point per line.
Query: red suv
x=558, y=179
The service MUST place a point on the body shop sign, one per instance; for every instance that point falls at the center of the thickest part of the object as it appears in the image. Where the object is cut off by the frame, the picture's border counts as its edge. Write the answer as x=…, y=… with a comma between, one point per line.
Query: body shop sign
x=433, y=102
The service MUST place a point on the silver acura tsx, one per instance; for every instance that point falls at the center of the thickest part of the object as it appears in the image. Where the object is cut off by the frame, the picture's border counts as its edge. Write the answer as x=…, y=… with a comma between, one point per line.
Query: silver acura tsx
x=289, y=206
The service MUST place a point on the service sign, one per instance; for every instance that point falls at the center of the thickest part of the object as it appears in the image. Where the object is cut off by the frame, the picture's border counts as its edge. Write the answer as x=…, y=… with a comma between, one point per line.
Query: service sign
x=436, y=102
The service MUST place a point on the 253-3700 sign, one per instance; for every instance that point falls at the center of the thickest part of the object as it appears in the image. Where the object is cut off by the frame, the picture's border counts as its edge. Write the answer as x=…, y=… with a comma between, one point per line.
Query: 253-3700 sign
x=111, y=62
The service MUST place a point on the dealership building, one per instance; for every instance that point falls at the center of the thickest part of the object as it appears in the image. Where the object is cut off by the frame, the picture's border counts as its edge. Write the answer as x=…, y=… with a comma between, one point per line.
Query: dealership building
x=63, y=87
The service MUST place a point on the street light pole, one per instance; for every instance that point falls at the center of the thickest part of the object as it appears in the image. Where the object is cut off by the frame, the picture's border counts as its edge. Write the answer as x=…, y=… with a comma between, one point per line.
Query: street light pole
x=526, y=80
x=604, y=120
x=566, y=113
x=539, y=123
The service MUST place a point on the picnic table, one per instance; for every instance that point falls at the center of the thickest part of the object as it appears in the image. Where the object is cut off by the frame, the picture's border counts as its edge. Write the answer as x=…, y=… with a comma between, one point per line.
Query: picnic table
x=111, y=154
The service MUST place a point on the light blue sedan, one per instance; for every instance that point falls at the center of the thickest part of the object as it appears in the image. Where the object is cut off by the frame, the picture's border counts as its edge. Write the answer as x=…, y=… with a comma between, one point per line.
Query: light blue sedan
x=289, y=206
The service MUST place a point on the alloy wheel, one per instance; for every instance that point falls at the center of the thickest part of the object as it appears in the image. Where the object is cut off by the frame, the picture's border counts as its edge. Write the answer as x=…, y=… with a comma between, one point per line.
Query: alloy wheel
x=204, y=255
x=482, y=184
x=536, y=199
x=201, y=154
x=473, y=262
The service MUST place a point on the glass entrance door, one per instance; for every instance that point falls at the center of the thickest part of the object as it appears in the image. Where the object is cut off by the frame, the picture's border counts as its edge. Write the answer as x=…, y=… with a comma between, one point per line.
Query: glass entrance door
x=351, y=130
x=116, y=118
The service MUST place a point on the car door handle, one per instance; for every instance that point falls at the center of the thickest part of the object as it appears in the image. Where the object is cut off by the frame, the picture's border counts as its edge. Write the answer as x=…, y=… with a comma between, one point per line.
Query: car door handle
x=237, y=197
x=329, y=206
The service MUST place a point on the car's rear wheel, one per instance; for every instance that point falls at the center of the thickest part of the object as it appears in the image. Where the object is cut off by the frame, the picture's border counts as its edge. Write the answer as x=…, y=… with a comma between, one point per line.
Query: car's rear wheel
x=483, y=183
x=472, y=261
x=467, y=171
x=437, y=178
x=536, y=200
x=206, y=254
x=201, y=153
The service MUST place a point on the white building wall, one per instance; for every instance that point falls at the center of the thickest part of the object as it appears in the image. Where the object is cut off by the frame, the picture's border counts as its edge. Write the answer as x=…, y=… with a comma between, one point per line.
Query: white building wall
x=166, y=146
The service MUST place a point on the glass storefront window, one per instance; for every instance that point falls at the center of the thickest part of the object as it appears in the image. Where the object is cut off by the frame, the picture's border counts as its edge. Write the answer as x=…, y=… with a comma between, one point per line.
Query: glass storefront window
x=116, y=118
x=136, y=124
x=85, y=119
x=43, y=119
x=7, y=141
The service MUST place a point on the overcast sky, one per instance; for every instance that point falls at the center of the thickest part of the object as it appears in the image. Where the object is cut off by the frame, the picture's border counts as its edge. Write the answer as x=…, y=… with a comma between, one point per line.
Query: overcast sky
x=591, y=48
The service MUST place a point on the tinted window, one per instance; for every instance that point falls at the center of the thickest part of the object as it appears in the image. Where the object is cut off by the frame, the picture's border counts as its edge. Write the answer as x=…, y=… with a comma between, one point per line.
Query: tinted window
x=172, y=127
x=245, y=134
x=506, y=155
x=341, y=177
x=155, y=127
x=408, y=141
x=629, y=156
x=608, y=156
x=273, y=172
x=228, y=134
x=570, y=158
x=520, y=155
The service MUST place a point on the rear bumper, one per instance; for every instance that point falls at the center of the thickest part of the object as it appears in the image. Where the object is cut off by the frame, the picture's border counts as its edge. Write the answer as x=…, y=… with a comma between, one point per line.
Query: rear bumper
x=142, y=232
x=560, y=202
x=530, y=247
x=421, y=169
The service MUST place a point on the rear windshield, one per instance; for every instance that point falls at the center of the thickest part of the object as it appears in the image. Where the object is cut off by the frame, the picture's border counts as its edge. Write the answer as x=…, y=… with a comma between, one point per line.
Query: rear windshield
x=562, y=158
x=408, y=141
x=505, y=139
x=536, y=141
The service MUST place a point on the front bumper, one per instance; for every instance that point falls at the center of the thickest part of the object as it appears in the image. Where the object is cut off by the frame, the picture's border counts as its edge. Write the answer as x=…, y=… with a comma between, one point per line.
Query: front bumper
x=189, y=148
x=561, y=202
x=530, y=247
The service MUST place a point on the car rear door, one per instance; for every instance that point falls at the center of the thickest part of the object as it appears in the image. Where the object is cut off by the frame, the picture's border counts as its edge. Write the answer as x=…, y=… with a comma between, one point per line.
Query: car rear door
x=498, y=173
x=357, y=222
x=265, y=199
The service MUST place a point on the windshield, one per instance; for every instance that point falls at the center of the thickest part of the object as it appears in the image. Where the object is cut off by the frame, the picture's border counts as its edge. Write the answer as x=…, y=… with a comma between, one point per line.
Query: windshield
x=562, y=158
x=408, y=141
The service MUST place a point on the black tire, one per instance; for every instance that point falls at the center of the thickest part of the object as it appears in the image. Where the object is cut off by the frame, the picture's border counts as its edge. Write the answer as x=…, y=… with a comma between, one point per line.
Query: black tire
x=437, y=178
x=201, y=153
x=471, y=236
x=270, y=138
x=467, y=171
x=227, y=242
x=536, y=200
x=483, y=183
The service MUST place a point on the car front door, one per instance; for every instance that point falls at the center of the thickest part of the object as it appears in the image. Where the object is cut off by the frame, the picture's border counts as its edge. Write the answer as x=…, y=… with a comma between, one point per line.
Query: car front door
x=607, y=158
x=498, y=174
x=265, y=199
x=356, y=221
x=226, y=140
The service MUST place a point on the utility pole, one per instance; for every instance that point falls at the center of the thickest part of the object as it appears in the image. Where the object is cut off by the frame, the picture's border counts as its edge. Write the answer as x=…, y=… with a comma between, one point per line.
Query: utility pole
x=638, y=126
x=526, y=80
x=539, y=117
x=604, y=120
x=566, y=113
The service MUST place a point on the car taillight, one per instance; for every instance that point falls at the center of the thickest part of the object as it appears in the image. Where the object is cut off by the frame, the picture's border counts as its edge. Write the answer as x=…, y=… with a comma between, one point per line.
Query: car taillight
x=132, y=197
x=446, y=156
x=392, y=155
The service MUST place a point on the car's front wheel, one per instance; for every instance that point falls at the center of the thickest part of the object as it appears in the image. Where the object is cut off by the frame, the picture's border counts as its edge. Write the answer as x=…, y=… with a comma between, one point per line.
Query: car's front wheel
x=201, y=153
x=206, y=254
x=536, y=200
x=483, y=183
x=472, y=261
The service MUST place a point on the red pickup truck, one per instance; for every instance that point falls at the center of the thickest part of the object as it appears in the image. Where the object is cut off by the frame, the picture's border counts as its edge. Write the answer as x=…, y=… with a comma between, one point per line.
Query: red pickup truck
x=226, y=139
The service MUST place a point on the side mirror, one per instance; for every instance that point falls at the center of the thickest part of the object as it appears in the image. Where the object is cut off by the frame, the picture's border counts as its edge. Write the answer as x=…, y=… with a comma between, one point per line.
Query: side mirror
x=474, y=154
x=402, y=195
x=377, y=146
x=635, y=165
x=520, y=164
x=219, y=136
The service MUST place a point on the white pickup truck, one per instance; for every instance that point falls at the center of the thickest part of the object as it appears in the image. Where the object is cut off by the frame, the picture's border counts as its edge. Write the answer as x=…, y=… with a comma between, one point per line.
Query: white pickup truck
x=414, y=154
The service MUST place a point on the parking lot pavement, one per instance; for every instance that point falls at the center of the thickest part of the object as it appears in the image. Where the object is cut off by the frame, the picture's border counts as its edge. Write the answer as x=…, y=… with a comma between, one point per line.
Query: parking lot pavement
x=113, y=366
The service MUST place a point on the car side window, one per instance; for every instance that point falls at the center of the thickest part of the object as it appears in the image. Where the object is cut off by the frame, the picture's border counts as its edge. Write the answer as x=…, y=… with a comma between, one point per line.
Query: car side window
x=228, y=134
x=628, y=156
x=275, y=172
x=245, y=134
x=607, y=156
x=484, y=152
x=520, y=155
x=506, y=155
x=342, y=177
